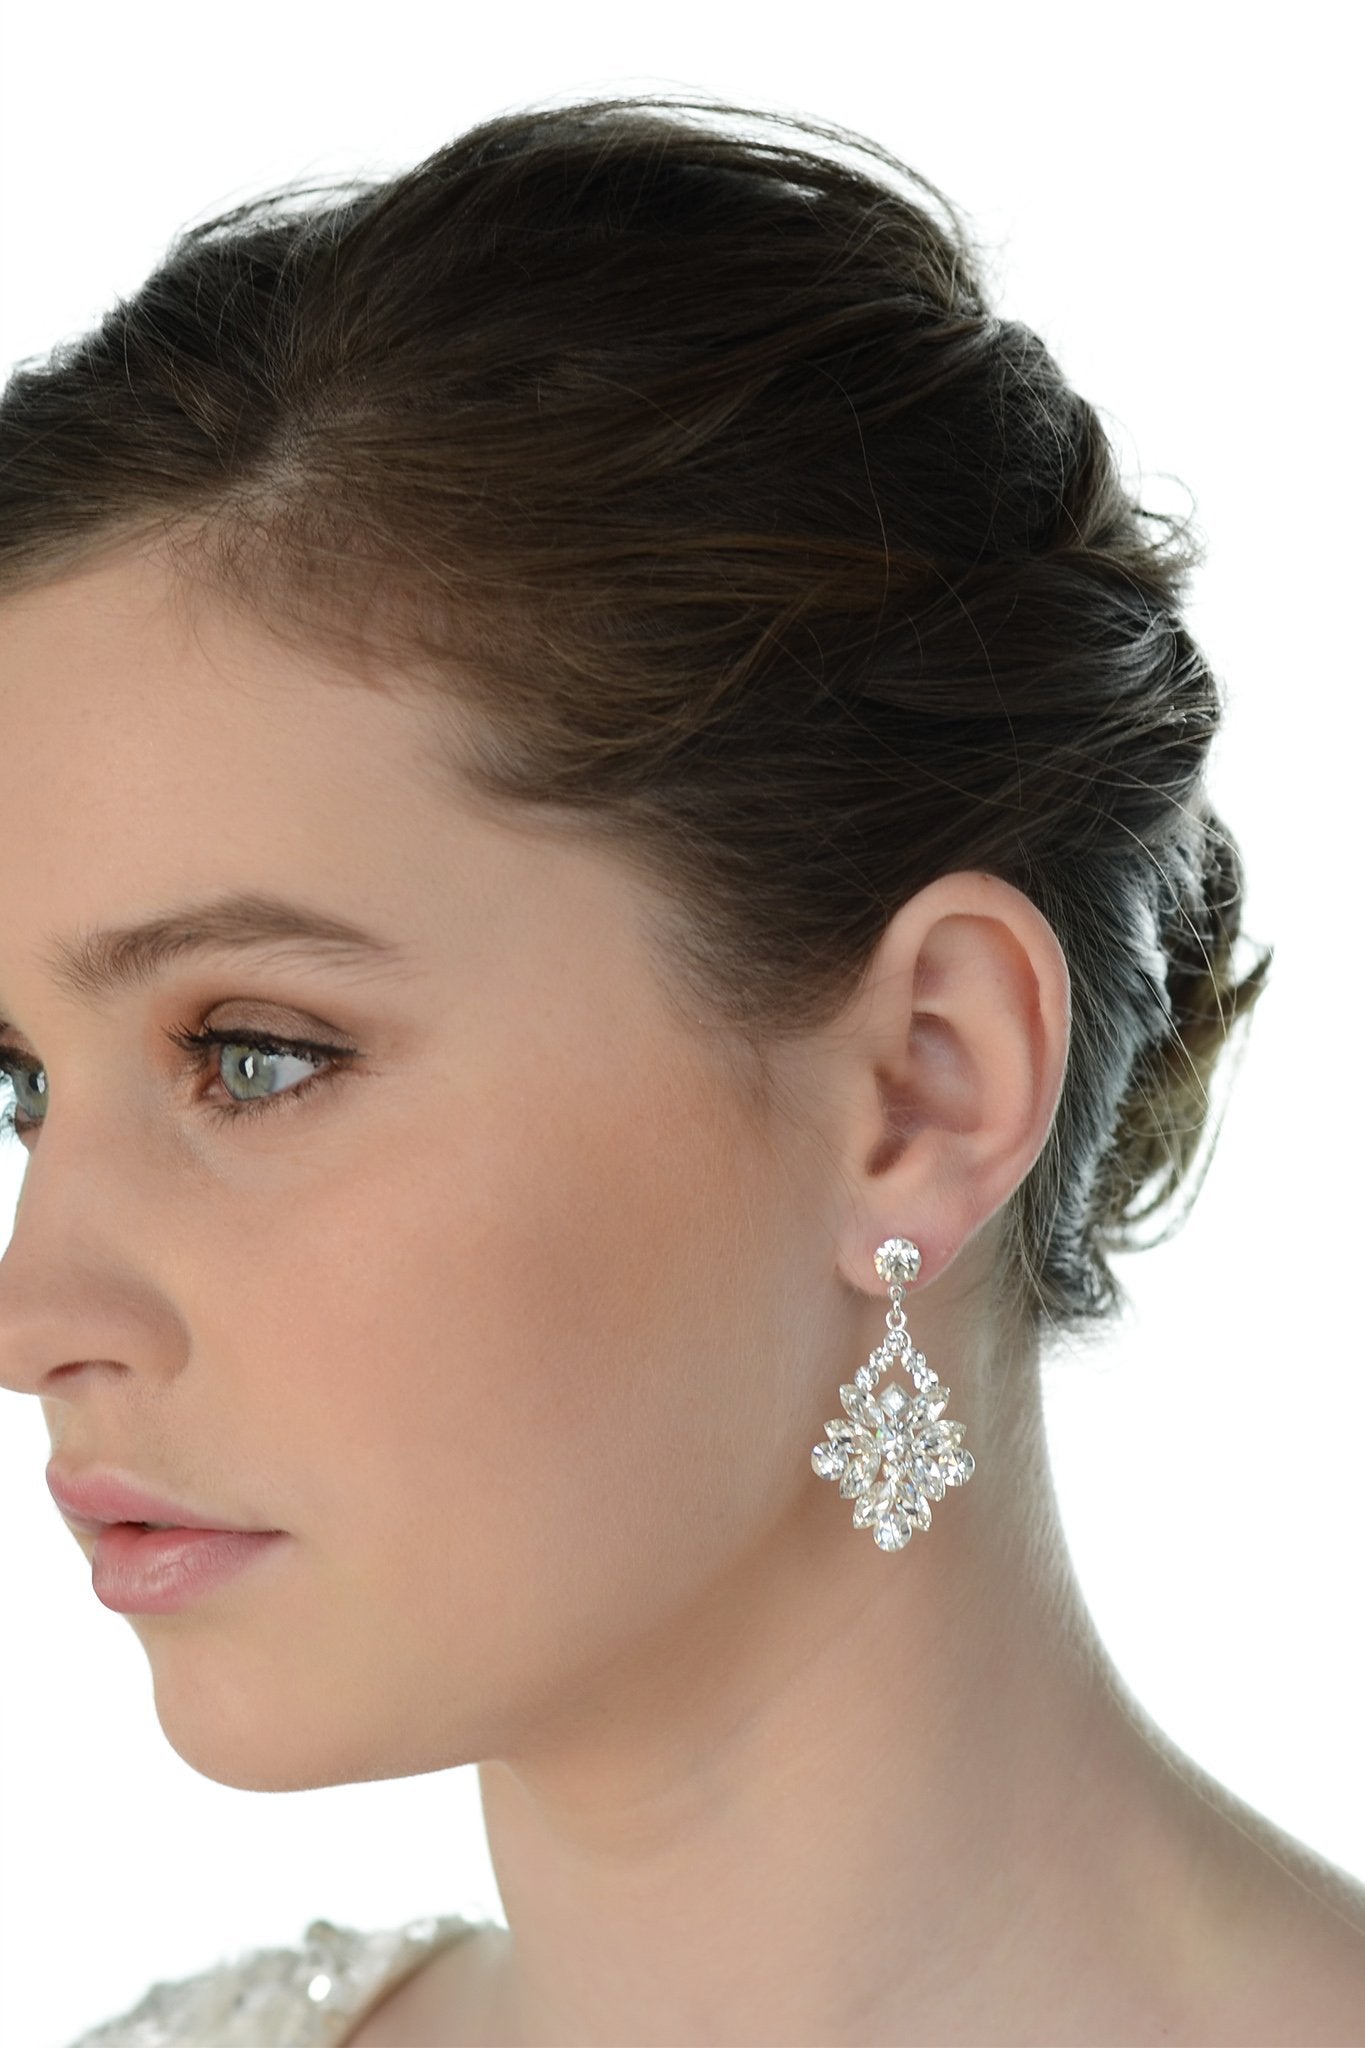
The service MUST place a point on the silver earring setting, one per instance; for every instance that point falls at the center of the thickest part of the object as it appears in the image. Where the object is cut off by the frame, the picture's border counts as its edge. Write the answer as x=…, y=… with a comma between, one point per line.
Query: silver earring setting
x=895, y=1454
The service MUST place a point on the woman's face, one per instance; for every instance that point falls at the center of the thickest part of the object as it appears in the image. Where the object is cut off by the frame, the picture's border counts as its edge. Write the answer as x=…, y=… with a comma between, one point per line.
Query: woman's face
x=494, y=1322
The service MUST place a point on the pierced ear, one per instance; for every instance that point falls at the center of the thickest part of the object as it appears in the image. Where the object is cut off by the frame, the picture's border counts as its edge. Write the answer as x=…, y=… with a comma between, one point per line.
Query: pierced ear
x=957, y=1050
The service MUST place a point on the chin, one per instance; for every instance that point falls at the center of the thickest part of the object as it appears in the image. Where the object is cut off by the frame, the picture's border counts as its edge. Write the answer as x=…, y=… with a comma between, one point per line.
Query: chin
x=240, y=1729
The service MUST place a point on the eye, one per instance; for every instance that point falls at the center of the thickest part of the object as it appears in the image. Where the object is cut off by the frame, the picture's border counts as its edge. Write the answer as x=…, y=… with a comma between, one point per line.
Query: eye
x=18, y=1072
x=261, y=1052
x=253, y=1056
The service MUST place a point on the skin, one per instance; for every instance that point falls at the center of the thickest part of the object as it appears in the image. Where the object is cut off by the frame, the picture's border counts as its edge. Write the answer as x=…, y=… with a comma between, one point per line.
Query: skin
x=523, y=1329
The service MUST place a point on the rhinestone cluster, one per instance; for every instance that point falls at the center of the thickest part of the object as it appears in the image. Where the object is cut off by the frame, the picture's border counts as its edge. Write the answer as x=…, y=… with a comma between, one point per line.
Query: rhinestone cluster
x=893, y=1455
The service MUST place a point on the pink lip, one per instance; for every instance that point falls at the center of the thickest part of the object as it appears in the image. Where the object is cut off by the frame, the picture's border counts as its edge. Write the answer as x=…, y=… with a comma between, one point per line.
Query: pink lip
x=92, y=1500
x=159, y=1571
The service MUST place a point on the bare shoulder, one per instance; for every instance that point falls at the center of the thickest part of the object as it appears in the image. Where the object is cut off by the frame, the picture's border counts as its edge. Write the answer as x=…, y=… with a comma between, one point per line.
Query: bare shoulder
x=1310, y=1989
x=1294, y=1958
x=442, y=2004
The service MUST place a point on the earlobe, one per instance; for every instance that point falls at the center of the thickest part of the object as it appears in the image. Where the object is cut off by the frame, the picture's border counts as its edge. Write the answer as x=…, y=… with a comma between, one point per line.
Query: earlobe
x=961, y=1045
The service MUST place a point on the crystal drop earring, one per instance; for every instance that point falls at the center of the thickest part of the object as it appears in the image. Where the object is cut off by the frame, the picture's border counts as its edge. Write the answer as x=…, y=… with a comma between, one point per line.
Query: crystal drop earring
x=922, y=1454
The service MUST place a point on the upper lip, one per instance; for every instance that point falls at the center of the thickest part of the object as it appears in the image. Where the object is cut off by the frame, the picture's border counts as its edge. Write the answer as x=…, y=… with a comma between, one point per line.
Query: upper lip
x=91, y=1500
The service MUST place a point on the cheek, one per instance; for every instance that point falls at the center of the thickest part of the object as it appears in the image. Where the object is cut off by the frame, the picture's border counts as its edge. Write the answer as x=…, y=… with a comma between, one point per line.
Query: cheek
x=511, y=1385
x=547, y=1370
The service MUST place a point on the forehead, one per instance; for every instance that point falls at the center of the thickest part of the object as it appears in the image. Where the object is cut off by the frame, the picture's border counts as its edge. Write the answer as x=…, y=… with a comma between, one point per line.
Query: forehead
x=164, y=751
x=160, y=750
x=126, y=689
x=128, y=630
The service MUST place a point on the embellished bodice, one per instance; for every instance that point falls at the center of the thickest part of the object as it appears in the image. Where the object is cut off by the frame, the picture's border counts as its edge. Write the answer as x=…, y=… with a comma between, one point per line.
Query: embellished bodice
x=306, y=1997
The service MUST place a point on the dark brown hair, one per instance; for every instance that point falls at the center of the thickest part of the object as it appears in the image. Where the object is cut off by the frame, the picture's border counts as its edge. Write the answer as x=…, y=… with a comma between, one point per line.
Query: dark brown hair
x=692, y=458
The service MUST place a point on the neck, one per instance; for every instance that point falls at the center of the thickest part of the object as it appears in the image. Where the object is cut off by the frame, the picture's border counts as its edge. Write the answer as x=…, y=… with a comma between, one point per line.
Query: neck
x=855, y=1795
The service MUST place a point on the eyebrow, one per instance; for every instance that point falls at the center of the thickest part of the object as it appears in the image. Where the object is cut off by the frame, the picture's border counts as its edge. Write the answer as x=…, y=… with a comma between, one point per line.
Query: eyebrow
x=110, y=959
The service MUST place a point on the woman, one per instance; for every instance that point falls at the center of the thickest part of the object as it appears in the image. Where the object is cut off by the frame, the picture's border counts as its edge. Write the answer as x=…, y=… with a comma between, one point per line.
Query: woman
x=620, y=914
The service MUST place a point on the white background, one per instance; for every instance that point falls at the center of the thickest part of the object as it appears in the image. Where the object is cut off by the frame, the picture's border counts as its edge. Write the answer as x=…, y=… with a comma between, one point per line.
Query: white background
x=1169, y=200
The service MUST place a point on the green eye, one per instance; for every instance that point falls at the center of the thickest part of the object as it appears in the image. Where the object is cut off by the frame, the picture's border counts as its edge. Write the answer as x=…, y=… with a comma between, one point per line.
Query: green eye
x=326, y=1061
x=16, y=1070
x=253, y=1066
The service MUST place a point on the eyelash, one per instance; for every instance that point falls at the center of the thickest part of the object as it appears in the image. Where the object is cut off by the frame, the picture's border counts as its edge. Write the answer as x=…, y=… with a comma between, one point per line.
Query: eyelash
x=330, y=1059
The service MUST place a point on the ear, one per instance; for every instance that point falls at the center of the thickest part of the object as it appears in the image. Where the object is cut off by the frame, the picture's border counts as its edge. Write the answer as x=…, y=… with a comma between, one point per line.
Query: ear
x=950, y=1064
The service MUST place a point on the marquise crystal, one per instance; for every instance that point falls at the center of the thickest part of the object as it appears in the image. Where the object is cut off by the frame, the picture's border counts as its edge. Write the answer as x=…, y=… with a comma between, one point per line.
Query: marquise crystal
x=896, y=1453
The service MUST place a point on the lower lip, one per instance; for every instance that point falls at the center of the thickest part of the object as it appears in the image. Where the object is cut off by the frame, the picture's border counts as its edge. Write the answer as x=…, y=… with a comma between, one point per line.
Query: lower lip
x=156, y=1571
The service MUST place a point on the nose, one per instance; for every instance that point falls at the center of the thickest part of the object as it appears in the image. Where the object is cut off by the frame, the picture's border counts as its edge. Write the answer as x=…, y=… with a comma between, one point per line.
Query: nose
x=76, y=1308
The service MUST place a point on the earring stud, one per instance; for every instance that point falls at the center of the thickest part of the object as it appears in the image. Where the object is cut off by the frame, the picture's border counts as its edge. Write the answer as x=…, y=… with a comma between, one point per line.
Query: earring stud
x=894, y=1454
